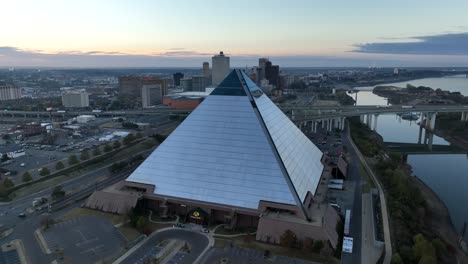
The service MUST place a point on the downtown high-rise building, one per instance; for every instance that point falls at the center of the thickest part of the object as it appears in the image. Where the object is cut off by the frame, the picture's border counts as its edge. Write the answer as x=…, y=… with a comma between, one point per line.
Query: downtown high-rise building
x=220, y=64
x=9, y=92
x=206, y=69
x=177, y=76
x=133, y=87
x=75, y=98
x=267, y=71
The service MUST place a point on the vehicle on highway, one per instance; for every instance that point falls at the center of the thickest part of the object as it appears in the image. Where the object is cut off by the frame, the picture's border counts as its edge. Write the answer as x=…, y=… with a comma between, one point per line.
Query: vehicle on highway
x=22, y=164
x=407, y=106
x=336, y=207
x=178, y=225
x=22, y=215
x=205, y=230
x=347, y=222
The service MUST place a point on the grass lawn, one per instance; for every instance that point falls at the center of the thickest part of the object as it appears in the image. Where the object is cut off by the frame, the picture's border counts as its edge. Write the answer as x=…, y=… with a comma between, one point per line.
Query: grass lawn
x=249, y=242
x=80, y=212
x=129, y=232
x=223, y=231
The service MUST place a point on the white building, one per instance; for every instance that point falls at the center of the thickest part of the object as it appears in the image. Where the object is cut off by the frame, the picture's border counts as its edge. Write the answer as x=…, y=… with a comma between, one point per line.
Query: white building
x=83, y=119
x=220, y=70
x=151, y=95
x=75, y=98
x=9, y=92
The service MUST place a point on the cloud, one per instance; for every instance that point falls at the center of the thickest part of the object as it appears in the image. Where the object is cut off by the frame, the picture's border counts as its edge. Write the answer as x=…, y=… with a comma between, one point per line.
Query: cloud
x=443, y=44
x=17, y=57
x=182, y=52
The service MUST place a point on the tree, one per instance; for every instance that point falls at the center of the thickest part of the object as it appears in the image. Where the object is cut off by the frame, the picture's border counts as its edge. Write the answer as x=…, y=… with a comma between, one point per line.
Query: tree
x=129, y=139
x=428, y=259
x=44, y=171
x=72, y=160
x=46, y=221
x=160, y=138
x=307, y=244
x=84, y=155
x=8, y=183
x=318, y=245
x=58, y=192
x=59, y=166
x=288, y=239
x=396, y=259
x=116, y=144
x=423, y=249
x=96, y=152
x=439, y=246
x=141, y=223
x=107, y=148
x=4, y=157
x=27, y=177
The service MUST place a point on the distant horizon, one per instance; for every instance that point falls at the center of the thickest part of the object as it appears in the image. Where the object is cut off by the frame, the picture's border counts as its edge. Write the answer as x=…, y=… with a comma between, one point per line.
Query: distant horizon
x=303, y=33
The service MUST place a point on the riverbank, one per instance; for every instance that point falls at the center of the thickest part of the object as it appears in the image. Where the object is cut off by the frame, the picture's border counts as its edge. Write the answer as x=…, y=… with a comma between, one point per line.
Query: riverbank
x=440, y=220
x=401, y=78
x=418, y=218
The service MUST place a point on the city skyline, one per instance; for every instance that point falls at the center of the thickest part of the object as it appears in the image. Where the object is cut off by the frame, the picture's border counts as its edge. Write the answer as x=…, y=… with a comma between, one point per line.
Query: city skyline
x=303, y=34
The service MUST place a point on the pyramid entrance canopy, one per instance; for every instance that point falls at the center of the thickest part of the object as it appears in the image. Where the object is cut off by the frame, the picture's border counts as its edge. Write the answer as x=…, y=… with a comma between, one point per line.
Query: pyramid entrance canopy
x=236, y=148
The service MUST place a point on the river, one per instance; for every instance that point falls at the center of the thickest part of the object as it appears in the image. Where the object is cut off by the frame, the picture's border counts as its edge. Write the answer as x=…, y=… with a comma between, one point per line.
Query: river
x=447, y=174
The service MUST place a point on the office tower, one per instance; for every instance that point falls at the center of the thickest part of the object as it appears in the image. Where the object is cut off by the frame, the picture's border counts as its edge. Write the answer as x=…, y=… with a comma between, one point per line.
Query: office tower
x=220, y=64
x=206, y=69
x=198, y=83
x=75, y=98
x=272, y=74
x=177, y=76
x=152, y=94
x=132, y=87
x=186, y=84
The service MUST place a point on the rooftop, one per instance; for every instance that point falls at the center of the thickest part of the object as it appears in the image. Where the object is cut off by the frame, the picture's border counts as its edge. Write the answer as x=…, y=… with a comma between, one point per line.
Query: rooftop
x=236, y=148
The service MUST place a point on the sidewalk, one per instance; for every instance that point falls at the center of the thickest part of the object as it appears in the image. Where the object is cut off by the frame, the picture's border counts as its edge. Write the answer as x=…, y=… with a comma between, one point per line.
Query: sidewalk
x=369, y=252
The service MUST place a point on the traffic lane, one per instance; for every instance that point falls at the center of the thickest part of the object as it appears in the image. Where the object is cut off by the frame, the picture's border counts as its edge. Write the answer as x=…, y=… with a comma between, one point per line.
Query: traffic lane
x=9, y=212
x=356, y=218
x=197, y=243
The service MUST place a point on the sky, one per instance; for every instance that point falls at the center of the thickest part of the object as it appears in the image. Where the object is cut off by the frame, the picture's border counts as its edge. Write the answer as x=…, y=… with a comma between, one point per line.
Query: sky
x=184, y=33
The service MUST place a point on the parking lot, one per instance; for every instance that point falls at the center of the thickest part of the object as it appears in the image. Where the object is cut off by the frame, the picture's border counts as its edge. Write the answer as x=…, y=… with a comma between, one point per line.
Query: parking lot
x=9, y=257
x=37, y=156
x=196, y=241
x=85, y=240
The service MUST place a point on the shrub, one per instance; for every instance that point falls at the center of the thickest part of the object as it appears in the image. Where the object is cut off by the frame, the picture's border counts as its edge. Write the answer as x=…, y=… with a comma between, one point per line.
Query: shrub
x=44, y=171
x=8, y=183
x=27, y=177
x=116, y=144
x=59, y=166
x=72, y=160
x=84, y=155
x=96, y=152
x=107, y=148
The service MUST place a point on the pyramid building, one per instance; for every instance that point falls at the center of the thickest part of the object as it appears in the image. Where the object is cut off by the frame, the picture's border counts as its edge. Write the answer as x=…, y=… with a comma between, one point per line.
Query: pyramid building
x=238, y=160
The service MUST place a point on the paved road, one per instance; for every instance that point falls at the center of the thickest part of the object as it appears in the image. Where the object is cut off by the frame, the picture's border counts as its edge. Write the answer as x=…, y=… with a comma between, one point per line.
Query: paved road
x=356, y=211
x=197, y=243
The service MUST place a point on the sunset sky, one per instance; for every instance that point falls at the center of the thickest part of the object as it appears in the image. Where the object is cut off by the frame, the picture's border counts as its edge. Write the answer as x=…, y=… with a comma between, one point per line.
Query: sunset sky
x=101, y=33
